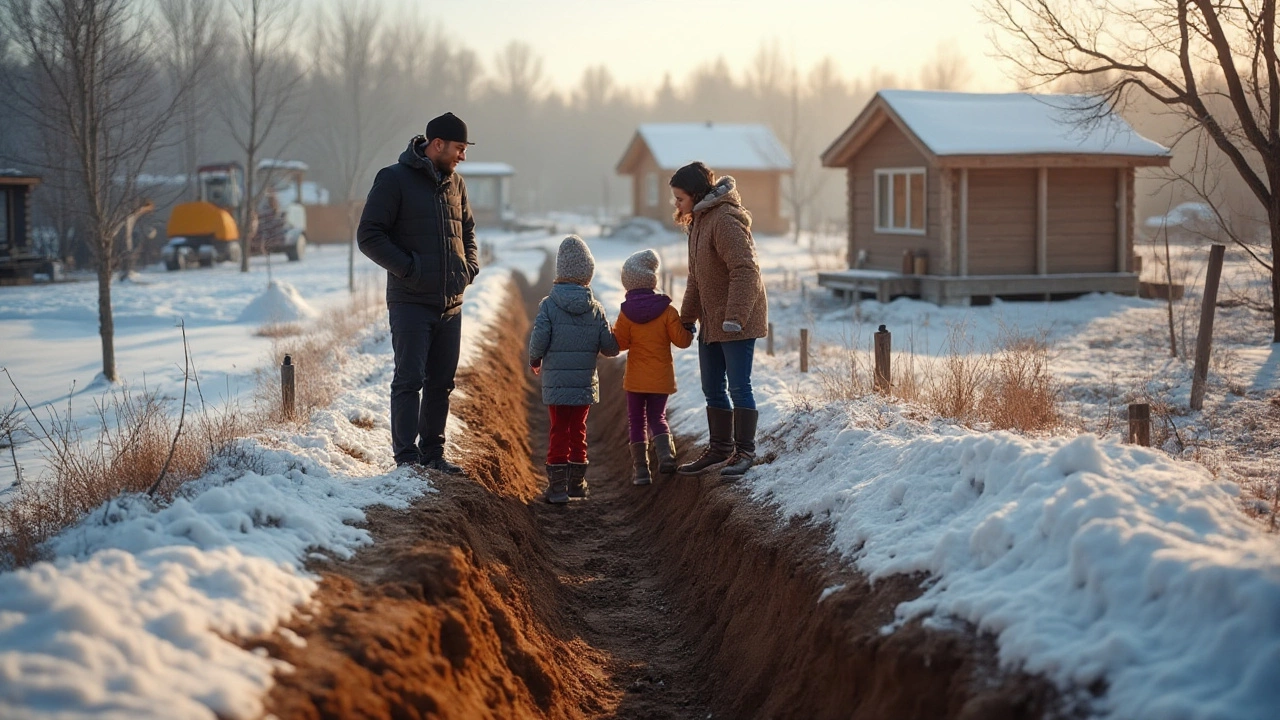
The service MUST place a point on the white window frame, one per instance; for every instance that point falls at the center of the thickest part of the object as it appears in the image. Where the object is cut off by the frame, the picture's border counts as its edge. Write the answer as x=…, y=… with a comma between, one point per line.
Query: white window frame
x=924, y=215
x=651, y=189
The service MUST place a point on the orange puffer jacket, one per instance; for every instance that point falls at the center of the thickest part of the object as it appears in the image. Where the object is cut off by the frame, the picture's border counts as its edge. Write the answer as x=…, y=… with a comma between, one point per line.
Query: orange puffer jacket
x=648, y=345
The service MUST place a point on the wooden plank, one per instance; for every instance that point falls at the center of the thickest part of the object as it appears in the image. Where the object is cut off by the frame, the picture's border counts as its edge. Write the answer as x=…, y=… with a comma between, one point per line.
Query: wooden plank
x=1042, y=221
x=1122, y=224
x=1030, y=161
x=964, y=221
x=945, y=218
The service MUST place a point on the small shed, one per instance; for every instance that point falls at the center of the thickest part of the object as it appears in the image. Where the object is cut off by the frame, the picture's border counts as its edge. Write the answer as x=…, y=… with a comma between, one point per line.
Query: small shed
x=750, y=153
x=18, y=260
x=960, y=196
x=489, y=190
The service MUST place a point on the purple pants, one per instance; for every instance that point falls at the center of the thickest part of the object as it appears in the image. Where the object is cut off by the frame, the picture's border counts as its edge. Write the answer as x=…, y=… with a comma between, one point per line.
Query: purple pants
x=642, y=406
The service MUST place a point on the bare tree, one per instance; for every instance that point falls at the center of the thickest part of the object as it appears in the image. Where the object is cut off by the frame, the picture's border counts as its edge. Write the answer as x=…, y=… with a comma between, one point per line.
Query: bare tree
x=1214, y=63
x=518, y=74
x=946, y=70
x=189, y=47
x=355, y=116
x=261, y=96
x=93, y=83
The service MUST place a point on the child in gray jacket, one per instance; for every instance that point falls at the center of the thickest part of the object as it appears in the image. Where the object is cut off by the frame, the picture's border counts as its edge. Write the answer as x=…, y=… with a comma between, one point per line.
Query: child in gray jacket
x=568, y=333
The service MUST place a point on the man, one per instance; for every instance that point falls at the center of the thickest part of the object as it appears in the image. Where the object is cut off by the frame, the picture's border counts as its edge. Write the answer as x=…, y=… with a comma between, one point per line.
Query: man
x=417, y=224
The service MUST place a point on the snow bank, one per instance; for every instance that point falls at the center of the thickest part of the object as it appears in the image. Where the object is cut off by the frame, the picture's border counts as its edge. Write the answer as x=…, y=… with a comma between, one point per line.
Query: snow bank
x=280, y=303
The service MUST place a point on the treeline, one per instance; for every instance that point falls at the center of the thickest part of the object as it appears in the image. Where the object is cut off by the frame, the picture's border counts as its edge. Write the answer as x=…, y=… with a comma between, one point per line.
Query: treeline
x=345, y=85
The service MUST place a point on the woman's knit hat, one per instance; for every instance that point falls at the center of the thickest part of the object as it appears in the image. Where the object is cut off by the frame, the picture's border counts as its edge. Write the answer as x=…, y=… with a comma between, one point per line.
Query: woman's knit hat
x=574, y=263
x=640, y=271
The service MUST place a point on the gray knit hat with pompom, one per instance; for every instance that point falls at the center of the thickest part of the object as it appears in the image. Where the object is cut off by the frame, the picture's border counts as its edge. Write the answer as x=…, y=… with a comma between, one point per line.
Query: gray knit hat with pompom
x=640, y=271
x=574, y=263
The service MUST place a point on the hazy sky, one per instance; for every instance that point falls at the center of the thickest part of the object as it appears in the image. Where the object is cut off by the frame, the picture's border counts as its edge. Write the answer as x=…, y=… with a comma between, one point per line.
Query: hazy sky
x=640, y=40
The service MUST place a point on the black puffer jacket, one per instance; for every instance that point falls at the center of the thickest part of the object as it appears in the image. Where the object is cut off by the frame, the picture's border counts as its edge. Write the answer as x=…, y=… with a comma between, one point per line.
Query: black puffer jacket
x=418, y=226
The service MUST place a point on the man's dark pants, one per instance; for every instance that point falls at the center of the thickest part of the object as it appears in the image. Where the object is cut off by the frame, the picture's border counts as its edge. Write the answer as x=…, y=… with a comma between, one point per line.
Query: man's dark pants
x=426, y=349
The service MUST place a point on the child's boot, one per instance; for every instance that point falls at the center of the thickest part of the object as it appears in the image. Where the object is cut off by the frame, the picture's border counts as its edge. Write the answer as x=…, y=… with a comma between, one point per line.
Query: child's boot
x=640, y=460
x=577, y=480
x=557, y=484
x=665, y=453
x=744, y=442
x=719, y=447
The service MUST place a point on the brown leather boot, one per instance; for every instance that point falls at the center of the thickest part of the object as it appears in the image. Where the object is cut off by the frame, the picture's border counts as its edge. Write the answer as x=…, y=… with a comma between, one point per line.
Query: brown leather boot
x=719, y=447
x=744, y=443
x=664, y=452
x=640, y=464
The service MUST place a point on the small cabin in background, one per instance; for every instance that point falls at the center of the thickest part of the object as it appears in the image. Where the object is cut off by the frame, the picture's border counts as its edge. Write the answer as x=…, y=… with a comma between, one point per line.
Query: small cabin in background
x=955, y=196
x=750, y=153
x=489, y=190
x=18, y=260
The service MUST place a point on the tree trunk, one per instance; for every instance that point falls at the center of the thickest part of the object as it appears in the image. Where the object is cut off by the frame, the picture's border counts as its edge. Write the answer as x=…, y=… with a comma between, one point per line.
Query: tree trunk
x=106, y=323
x=1275, y=272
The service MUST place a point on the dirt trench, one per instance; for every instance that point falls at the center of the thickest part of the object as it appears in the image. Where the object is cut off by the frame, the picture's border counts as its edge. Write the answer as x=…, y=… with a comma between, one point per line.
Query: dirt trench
x=678, y=600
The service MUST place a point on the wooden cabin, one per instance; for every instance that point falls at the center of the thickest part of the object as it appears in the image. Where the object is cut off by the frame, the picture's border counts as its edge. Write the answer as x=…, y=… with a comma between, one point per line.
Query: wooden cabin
x=750, y=153
x=489, y=190
x=955, y=196
x=18, y=261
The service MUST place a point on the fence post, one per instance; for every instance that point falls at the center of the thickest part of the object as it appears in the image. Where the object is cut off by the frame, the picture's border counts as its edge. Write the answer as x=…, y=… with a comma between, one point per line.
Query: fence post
x=804, y=350
x=287, y=386
x=768, y=345
x=1205, y=339
x=1140, y=424
x=883, y=345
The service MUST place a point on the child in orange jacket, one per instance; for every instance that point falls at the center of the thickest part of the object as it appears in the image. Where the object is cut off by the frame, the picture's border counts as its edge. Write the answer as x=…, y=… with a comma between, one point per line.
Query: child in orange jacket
x=647, y=327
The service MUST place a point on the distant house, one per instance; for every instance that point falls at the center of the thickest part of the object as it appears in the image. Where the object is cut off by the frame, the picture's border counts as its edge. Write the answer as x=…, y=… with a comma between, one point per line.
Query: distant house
x=750, y=153
x=1001, y=194
x=18, y=262
x=489, y=190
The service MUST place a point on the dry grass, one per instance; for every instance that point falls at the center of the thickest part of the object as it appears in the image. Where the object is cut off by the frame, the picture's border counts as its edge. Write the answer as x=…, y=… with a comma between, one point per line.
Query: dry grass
x=137, y=437
x=1010, y=388
x=279, y=330
x=140, y=433
x=316, y=353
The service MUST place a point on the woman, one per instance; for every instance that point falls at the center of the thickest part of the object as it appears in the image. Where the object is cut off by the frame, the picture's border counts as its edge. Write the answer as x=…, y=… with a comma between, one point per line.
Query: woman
x=726, y=297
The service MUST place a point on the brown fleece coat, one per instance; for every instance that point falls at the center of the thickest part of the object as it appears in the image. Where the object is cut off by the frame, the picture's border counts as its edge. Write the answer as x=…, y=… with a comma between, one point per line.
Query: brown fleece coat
x=724, y=272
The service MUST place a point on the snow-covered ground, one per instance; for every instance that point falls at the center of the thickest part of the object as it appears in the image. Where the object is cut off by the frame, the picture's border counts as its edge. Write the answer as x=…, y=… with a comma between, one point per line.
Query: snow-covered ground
x=1088, y=559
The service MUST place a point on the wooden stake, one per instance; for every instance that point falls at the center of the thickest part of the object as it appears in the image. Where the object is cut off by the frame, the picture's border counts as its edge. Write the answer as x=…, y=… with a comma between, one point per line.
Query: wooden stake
x=287, y=386
x=768, y=344
x=1140, y=424
x=883, y=345
x=1205, y=339
x=804, y=350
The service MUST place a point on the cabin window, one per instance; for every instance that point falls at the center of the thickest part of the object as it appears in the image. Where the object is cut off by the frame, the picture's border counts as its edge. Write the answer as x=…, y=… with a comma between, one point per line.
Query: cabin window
x=651, y=189
x=900, y=201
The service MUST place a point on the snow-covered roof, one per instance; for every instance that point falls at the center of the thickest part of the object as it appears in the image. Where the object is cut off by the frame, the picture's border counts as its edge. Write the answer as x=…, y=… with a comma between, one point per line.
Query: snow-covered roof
x=273, y=164
x=722, y=146
x=482, y=169
x=957, y=123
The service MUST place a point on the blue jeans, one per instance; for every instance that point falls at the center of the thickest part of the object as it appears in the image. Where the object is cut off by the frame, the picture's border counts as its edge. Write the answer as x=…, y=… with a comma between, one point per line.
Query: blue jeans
x=727, y=363
x=426, y=349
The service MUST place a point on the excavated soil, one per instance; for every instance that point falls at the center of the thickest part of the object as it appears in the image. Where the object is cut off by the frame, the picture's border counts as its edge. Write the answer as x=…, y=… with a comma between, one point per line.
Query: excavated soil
x=681, y=599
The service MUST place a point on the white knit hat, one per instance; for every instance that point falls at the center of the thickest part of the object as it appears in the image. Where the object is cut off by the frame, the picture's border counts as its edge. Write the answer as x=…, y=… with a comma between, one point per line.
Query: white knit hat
x=574, y=263
x=640, y=271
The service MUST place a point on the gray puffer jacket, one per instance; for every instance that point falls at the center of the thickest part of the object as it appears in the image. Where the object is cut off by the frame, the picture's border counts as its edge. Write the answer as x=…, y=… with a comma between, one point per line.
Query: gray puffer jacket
x=568, y=334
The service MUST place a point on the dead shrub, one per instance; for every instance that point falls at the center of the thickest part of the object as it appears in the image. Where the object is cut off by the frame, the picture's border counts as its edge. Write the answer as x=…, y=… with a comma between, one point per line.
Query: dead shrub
x=136, y=439
x=953, y=386
x=1019, y=392
x=317, y=354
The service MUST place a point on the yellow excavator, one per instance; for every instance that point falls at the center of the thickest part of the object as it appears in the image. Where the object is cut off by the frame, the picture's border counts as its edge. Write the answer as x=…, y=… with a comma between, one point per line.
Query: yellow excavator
x=204, y=232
